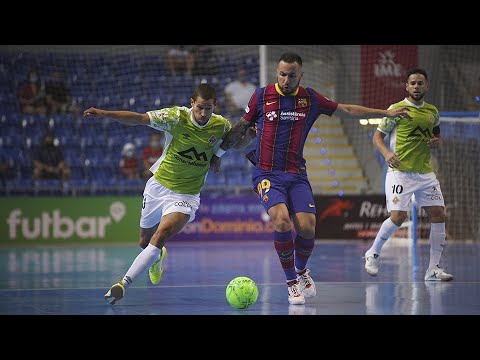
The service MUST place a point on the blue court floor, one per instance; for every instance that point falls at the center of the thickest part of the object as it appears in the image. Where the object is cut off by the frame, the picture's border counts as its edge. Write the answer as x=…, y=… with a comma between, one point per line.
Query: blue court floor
x=72, y=280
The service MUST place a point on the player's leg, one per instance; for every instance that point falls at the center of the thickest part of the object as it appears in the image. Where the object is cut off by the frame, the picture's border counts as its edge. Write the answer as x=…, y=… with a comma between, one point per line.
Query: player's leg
x=174, y=204
x=146, y=235
x=399, y=188
x=169, y=225
x=273, y=194
x=284, y=246
x=430, y=198
x=304, y=243
x=175, y=210
x=155, y=271
x=302, y=207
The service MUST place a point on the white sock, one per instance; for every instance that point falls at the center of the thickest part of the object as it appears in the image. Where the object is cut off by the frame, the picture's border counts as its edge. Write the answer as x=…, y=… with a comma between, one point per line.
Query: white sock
x=142, y=262
x=386, y=230
x=437, y=242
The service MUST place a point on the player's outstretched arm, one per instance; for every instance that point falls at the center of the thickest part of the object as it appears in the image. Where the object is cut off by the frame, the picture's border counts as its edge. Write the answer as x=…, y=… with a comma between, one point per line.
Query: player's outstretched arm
x=359, y=111
x=122, y=116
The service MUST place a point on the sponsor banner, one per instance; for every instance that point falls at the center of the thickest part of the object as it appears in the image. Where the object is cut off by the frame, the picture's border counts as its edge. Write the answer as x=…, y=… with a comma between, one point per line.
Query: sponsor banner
x=349, y=217
x=229, y=218
x=116, y=219
x=383, y=70
x=51, y=220
x=361, y=216
x=61, y=219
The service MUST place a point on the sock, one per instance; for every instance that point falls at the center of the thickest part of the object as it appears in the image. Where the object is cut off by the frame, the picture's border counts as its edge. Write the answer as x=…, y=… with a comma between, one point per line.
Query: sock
x=386, y=230
x=284, y=246
x=437, y=242
x=303, y=250
x=142, y=262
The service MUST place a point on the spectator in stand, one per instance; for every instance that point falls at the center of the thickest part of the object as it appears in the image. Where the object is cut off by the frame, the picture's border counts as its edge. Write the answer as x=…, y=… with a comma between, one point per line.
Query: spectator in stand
x=152, y=153
x=58, y=97
x=48, y=161
x=31, y=95
x=238, y=93
x=180, y=59
x=129, y=162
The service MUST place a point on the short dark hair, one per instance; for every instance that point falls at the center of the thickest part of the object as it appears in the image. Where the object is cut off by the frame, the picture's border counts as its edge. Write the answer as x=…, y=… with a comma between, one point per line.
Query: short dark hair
x=291, y=58
x=205, y=91
x=416, y=71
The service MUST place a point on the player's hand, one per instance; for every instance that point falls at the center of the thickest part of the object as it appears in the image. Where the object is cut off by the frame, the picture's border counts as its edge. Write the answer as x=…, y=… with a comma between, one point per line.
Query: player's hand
x=434, y=142
x=215, y=162
x=399, y=112
x=392, y=160
x=92, y=112
x=251, y=131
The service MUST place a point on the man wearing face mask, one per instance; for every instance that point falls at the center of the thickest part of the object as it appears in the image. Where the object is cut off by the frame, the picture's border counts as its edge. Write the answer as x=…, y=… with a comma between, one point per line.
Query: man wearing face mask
x=152, y=153
x=31, y=95
x=48, y=161
x=129, y=163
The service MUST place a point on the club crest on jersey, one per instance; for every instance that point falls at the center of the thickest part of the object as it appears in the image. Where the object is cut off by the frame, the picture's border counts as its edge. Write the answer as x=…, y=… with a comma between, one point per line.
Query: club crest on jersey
x=212, y=139
x=302, y=102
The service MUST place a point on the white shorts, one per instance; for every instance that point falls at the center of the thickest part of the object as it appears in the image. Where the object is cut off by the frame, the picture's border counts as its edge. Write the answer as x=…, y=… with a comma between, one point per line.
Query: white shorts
x=401, y=185
x=159, y=201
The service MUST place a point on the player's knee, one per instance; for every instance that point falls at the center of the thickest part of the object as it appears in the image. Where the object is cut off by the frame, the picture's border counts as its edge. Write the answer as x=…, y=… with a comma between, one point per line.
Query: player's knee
x=436, y=214
x=282, y=225
x=398, y=218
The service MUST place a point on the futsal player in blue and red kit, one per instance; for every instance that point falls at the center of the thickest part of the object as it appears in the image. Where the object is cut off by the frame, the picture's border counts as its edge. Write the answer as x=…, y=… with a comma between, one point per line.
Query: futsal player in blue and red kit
x=284, y=113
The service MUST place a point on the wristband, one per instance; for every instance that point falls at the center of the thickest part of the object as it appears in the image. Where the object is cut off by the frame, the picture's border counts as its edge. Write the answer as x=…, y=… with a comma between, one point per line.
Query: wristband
x=219, y=152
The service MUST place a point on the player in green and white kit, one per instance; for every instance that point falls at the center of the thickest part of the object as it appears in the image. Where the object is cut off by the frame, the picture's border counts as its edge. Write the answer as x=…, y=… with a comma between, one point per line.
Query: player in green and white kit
x=172, y=195
x=410, y=173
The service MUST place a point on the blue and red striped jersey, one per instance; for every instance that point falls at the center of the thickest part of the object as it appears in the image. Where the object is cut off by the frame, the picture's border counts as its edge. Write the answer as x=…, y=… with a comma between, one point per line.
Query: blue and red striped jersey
x=283, y=123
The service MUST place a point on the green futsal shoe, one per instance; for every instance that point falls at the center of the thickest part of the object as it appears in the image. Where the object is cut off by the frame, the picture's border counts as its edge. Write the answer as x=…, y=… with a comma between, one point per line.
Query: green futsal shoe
x=156, y=270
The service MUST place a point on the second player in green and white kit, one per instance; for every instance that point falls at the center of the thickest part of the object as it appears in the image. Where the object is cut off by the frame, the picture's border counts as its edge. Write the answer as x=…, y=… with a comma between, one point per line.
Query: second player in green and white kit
x=410, y=173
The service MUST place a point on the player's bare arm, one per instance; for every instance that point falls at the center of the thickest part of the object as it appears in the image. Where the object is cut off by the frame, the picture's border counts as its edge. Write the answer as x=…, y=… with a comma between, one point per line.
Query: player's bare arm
x=238, y=137
x=247, y=138
x=358, y=110
x=237, y=132
x=215, y=163
x=122, y=116
x=390, y=157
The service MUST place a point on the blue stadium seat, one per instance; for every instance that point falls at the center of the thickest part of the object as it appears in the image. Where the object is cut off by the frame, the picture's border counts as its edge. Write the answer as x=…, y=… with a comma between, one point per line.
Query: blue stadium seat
x=102, y=80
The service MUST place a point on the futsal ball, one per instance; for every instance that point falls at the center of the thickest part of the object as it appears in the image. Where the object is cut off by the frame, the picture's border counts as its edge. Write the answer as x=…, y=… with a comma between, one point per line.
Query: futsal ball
x=242, y=292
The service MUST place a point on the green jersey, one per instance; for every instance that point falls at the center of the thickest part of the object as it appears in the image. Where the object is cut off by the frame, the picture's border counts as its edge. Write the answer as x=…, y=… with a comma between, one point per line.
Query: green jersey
x=184, y=164
x=408, y=137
